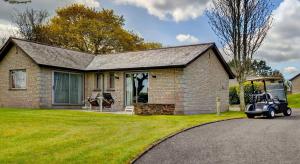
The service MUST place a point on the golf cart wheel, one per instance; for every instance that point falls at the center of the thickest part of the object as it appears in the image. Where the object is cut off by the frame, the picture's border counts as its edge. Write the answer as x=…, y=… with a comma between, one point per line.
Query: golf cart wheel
x=271, y=113
x=287, y=112
x=250, y=116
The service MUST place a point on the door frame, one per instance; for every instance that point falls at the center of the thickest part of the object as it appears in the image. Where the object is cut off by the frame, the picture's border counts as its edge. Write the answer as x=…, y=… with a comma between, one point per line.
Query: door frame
x=53, y=90
x=125, y=83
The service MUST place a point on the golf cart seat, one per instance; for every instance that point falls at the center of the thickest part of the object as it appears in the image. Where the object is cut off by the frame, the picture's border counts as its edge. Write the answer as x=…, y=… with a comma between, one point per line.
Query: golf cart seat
x=262, y=97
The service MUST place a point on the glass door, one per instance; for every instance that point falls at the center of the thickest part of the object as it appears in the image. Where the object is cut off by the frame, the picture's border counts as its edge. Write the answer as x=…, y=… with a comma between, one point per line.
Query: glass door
x=67, y=88
x=136, y=88
x=129, y=90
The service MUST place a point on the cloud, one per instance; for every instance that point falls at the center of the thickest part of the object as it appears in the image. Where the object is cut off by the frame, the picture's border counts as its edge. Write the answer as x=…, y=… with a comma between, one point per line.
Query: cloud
x=177, y=10
x=6, y=29
x=290, y=70
x=187, y=38
x=282, y=42
x=89, y=3
x=7, y=10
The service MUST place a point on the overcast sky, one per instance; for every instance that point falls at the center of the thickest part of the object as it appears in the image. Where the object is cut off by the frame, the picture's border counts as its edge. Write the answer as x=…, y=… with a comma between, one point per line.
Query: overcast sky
x=183, y=22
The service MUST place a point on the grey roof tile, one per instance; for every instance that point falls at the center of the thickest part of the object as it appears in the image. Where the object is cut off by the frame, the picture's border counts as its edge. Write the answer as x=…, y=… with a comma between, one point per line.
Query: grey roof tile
x=54, y=56
x=171, y=56
x=157, y=58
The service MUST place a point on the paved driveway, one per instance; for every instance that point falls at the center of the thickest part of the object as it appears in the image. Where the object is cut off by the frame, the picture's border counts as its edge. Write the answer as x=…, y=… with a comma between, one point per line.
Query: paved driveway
x=237, y=141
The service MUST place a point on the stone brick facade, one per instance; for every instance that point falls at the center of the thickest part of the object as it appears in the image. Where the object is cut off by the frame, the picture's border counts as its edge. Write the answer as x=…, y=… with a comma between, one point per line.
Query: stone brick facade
x=296, y=85
x=117, y=93
x=29, y=97
x=46, y=91
x=164, y=87
x=191, y=90
x=204, y=80
x=38, y=92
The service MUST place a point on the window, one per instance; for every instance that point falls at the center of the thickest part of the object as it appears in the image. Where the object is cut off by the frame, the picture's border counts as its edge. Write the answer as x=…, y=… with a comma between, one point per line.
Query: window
x=68, y=88
x=18, y=79
x=111, y=81
x=98, y=81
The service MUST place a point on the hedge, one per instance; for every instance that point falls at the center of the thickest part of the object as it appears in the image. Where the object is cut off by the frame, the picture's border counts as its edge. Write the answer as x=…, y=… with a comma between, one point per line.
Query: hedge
x=234, y=92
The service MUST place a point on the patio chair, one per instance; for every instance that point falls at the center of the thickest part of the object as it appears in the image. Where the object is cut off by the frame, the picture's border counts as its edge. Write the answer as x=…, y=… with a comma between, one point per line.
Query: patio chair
x=108, y=100
x=94, y=100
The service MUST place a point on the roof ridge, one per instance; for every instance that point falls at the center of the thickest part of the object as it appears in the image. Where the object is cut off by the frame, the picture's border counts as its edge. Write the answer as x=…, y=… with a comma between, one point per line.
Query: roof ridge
x=168, y=47
x=46, y=44
x=294, y=77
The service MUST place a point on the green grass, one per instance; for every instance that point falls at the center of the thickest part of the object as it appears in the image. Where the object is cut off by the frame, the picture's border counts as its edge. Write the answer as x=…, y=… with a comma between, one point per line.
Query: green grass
x=60, y=136
x=294, y=100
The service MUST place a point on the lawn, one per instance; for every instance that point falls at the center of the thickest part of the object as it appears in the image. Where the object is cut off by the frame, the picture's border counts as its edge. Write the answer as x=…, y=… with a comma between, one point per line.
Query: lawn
x=61, y=136
x=294, y=100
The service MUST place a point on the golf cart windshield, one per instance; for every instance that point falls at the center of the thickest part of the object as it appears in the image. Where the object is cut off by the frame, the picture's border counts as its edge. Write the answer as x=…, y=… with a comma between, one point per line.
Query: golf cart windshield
x=277, y=91
x=273, y=89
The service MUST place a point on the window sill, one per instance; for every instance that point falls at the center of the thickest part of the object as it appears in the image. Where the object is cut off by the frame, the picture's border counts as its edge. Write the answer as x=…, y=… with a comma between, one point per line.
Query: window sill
x=110, y=90
x=17, y=89
x=68, y=104
x=97, y=90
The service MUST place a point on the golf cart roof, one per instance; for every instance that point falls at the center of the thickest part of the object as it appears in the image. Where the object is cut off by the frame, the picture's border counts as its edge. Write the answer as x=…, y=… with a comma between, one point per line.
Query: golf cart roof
x=264, y=78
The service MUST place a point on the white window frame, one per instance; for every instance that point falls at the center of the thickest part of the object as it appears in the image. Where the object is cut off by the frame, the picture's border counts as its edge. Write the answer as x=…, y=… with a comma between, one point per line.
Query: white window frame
x=11, y=80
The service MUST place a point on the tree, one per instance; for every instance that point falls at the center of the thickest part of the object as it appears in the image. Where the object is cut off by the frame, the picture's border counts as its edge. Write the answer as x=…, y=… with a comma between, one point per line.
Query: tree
x=277, y=73
x=29, y=23
x=100, y=32
x=257, y=68
x=241, y=26
x=260, y=68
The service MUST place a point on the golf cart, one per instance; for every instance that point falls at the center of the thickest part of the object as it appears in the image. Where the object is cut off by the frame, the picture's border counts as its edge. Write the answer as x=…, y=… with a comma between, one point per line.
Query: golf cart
x=271, y=101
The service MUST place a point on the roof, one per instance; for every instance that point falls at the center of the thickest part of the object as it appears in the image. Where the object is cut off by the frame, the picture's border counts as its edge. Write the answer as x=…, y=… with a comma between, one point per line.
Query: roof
x=51, y=56
x=170, y=56
x=293, y=78
x=262, y=78
x=179, y=56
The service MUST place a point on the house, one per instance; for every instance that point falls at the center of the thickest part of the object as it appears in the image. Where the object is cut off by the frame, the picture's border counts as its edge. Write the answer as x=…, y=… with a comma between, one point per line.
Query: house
x=295, y=84
x=183, y=79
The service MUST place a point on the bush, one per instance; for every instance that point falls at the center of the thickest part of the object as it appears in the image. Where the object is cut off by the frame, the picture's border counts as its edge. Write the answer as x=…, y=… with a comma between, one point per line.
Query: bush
x=233, y=96
x=234, y=92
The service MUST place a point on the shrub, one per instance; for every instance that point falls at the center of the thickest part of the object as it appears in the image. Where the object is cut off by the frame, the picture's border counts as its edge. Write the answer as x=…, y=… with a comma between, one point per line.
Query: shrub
x=233, y=96
x=234, y=92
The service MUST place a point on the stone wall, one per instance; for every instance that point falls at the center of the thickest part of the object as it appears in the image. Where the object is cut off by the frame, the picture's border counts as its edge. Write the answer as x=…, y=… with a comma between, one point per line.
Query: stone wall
x=296, y=85
x=117, y=92
x=218, y=83
x=165, y=87
x=154, y=109
x=191, y=90
x=204, y=80
x=27, y=98
x=46, y=88
x=46, y=91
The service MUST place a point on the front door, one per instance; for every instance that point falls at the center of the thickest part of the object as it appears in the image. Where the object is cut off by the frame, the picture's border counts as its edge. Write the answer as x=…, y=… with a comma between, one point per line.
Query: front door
x=136, y=88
